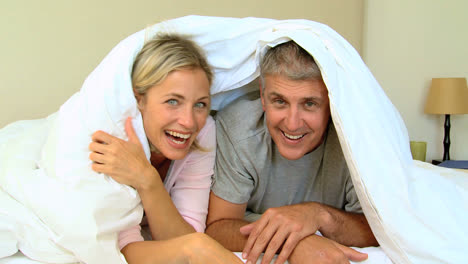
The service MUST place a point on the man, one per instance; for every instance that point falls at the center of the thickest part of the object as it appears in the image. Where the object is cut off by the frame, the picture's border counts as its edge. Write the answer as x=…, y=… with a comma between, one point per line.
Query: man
x=280, y=166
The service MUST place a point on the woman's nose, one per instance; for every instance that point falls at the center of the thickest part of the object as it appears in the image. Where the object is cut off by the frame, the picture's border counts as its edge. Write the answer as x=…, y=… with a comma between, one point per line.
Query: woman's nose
x=187, y=118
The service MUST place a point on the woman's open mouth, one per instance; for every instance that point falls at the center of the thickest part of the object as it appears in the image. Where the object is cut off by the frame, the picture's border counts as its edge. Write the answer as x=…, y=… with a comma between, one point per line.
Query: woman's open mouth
x=177, y=138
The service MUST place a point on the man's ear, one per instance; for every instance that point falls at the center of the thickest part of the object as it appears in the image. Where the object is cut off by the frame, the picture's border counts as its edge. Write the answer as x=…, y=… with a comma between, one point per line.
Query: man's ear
x=261, y=95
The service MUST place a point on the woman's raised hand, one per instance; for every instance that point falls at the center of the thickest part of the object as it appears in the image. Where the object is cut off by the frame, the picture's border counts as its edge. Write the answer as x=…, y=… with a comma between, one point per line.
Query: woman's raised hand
x=124, y=161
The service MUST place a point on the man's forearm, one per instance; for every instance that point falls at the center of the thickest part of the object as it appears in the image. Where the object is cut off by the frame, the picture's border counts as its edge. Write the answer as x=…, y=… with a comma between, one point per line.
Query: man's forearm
x=226, y=232
x=350, y=229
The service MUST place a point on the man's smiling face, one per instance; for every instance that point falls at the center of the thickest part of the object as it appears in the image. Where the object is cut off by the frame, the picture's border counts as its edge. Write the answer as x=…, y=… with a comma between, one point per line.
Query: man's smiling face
x=297, y=114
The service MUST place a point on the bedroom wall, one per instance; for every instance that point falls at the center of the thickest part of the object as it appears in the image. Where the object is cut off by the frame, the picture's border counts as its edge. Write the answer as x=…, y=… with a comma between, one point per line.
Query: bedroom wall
x=406, y=44
x=48, y=47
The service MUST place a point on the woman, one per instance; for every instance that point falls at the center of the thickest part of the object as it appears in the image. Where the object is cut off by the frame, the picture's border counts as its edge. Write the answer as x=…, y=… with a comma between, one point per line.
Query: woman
x=171, y=82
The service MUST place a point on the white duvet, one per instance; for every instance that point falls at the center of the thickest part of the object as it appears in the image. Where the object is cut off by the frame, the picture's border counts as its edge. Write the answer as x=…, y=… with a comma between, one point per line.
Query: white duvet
x=54, y=209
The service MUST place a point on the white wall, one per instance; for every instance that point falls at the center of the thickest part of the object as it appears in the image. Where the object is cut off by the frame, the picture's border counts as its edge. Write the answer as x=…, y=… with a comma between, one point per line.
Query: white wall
x=48, y=47
x=405, y=45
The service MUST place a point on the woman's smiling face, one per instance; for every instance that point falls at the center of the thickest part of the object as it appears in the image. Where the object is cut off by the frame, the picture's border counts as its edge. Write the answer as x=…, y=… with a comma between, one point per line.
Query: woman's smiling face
x=175, y=111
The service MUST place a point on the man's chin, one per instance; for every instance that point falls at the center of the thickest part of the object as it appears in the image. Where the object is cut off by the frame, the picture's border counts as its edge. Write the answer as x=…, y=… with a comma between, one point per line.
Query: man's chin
x=290, y=155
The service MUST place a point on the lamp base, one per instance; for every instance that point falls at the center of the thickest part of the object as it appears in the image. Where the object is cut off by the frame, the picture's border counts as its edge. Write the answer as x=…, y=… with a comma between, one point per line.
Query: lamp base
x=446, y=138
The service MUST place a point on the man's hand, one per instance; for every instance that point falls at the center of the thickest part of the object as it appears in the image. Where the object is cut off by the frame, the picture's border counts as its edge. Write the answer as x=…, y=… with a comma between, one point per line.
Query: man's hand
x=282, y=226
x=320, y=250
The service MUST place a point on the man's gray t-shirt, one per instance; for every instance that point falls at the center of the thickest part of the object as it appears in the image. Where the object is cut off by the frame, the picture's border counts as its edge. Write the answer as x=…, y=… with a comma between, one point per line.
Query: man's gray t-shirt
x=249, y=168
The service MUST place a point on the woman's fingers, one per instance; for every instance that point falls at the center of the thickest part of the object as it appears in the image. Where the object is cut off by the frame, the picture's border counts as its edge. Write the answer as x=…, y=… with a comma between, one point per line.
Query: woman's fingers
x=98, y=147
x=102, y=137
x=102, y=151
x=97, y=157
x=124, y=161
x=132, y=136
x=99, y=168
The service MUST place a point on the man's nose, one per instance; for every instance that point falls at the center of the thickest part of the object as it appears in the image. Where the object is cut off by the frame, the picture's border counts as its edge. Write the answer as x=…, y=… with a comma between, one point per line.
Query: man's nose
x=293, y=120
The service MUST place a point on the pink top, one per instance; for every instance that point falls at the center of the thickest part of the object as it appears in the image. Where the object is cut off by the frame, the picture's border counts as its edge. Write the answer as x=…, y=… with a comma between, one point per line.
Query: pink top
x=188, y=183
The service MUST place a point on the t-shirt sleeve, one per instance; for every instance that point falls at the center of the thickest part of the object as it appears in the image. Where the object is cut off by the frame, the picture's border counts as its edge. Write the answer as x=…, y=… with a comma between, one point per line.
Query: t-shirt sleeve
x=191, y=191
x=130, y=235
x=352, y=201
x=231, y=182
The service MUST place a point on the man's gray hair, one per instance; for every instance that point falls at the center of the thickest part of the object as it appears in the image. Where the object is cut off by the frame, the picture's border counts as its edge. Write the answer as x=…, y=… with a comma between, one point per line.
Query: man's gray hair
x=291, y=61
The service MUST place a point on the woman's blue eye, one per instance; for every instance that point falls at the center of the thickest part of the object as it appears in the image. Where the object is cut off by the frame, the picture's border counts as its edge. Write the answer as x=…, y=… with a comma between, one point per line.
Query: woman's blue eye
x=172, y=102
x=200, y=105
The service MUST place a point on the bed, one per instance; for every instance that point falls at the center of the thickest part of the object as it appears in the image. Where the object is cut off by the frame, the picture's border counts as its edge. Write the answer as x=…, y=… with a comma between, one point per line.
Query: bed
x=417, y=211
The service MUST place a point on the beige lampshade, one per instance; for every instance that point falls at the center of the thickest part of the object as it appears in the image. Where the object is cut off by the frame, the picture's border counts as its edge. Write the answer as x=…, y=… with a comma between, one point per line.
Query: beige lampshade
x=447, y=96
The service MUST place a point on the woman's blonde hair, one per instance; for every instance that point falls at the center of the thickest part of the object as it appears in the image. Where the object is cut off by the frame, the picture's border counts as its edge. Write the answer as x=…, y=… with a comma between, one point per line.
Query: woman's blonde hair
x=162, y=55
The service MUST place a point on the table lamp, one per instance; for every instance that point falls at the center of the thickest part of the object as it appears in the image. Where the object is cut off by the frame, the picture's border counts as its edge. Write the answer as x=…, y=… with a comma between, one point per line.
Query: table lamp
x=447, y=96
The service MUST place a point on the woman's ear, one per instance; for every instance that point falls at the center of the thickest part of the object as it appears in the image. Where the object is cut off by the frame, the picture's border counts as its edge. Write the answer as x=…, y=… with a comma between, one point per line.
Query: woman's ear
x=139, y=98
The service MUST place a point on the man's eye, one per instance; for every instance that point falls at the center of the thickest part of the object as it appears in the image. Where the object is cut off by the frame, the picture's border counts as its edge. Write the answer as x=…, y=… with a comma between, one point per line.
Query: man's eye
x=310, y=104
x=200, y=105
x=279, y=101
x=172, y=102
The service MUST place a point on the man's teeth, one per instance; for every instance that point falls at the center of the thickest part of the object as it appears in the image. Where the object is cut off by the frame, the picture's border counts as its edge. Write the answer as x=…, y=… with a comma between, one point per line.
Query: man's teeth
x=293, y=137
x=175, y=134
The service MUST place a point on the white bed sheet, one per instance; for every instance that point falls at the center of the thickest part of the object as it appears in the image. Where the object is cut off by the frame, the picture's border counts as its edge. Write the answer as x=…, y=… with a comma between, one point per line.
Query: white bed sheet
x=20, y=258
x=376, y=256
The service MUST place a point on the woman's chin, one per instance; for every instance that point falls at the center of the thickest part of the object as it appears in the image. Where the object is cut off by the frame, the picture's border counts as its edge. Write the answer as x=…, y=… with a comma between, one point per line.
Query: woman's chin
x=172, y=155
x=175, y=153
x=172, y=150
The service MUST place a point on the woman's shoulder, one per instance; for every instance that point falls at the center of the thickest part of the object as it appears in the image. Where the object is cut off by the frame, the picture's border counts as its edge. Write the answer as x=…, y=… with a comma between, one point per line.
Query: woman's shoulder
x=207, y=136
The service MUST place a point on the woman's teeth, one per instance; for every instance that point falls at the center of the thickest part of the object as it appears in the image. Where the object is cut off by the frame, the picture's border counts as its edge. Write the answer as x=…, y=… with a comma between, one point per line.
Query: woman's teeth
x=178, y=141
x=178, y=138
x=179, y=135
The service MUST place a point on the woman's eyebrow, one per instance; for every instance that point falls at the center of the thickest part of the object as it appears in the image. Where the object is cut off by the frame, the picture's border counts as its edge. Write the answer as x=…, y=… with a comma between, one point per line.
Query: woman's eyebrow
x=179, y=96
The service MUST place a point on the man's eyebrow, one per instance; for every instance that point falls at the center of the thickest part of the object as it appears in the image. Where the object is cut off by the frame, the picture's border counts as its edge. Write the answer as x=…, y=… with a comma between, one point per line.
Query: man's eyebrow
x=311, y=98
x=275, y=94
